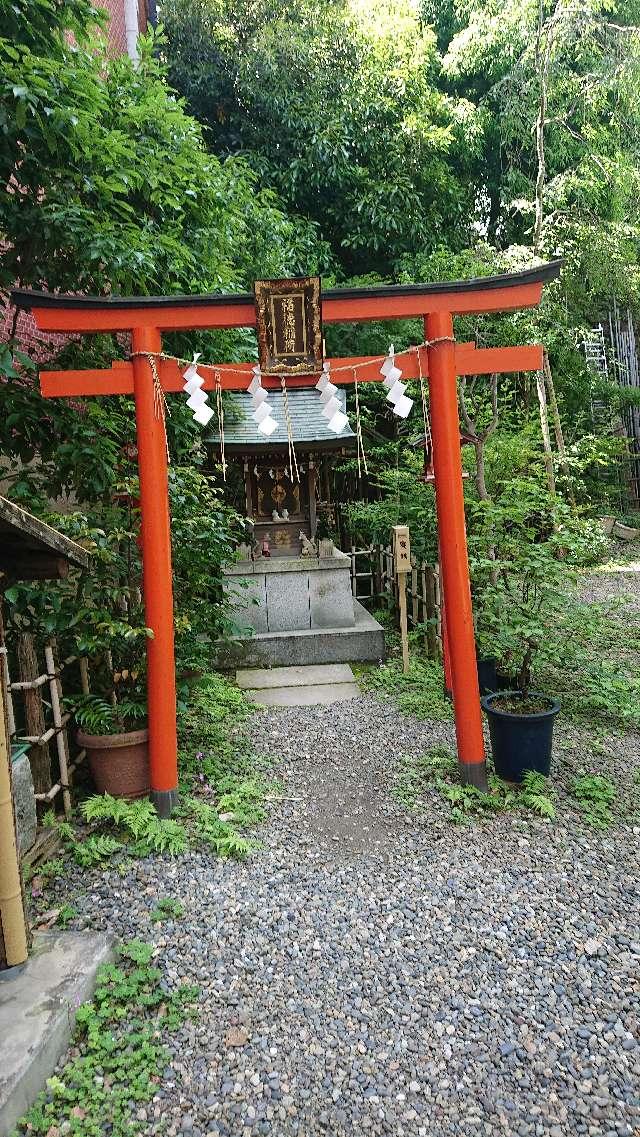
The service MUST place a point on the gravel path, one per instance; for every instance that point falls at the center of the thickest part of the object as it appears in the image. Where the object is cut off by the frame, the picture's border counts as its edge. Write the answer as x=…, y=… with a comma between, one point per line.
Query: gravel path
x=607, y=584
x=374, y=971
x=370, y=971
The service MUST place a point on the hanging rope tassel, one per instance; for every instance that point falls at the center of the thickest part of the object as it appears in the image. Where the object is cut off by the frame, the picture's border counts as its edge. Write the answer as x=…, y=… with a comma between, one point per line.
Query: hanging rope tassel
x=160, y=405
x=359, y=442
x=425, y=413
x=220, y=410
x=293, y=461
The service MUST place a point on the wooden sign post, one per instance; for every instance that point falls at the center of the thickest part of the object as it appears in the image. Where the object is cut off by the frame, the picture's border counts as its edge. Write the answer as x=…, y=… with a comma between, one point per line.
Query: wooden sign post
x=402, y=558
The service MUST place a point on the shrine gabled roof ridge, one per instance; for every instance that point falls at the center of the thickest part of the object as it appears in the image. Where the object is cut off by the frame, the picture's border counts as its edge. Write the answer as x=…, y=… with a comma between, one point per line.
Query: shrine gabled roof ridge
x=308, y=425
x=27, y=298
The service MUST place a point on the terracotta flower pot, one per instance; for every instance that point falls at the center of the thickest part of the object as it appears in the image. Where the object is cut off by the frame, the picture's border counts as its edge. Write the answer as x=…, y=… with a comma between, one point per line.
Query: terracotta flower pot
x=119, y=762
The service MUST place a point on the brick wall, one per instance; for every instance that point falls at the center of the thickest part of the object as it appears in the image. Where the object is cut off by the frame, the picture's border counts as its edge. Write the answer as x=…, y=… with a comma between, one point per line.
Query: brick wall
x=117, y=30
x=40, y=346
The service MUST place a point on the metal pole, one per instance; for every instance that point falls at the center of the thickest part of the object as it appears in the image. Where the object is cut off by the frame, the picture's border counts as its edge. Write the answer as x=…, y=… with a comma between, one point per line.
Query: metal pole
x=156, y=576
x=443, y=398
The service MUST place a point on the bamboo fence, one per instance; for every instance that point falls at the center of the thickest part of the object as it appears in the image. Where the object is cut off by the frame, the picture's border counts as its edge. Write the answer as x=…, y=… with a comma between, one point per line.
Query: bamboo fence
x=36, y=715
x=374, y=582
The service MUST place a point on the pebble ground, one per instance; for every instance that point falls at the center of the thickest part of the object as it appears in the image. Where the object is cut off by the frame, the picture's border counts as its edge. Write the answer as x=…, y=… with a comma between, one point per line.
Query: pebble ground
x=374, y=971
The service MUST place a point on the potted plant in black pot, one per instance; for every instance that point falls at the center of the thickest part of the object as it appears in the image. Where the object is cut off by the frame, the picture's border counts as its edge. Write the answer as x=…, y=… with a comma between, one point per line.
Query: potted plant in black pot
x=490, y=676
x=525, y=588
x=530, y=590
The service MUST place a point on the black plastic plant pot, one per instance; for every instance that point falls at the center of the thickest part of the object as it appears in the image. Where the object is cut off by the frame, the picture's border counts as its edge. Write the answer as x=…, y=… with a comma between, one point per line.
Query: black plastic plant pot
x=487, y=676
x=520, y=742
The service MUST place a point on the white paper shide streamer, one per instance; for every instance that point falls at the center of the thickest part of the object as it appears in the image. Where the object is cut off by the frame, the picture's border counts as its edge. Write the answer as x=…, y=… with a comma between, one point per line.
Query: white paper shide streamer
x=400, y=403
x=261, y=413
x=331, y=410
x=198, y=401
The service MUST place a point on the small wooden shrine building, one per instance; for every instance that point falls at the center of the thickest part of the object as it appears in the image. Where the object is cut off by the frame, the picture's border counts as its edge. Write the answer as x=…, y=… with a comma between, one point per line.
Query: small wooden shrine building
x=279, y=505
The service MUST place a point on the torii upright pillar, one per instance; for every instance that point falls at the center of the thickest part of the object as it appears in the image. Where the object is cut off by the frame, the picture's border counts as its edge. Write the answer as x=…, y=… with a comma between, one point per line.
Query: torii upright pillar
x=146, y=317
x=157, y=585
x=454, y=565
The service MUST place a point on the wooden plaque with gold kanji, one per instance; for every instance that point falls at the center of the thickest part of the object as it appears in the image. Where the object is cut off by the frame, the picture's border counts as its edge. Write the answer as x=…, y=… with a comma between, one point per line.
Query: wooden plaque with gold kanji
x=289, y=326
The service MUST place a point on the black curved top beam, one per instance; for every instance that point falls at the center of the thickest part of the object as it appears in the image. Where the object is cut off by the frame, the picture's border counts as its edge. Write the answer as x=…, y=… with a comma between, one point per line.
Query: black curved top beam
x=28, y=298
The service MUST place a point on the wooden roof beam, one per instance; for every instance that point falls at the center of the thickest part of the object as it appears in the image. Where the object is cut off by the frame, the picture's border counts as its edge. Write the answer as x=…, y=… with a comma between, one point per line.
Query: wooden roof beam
x=505, y=292
x=118, y=379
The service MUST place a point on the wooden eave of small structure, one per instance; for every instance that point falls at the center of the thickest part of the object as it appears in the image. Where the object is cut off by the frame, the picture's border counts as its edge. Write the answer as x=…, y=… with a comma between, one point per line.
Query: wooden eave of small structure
x=32, y=550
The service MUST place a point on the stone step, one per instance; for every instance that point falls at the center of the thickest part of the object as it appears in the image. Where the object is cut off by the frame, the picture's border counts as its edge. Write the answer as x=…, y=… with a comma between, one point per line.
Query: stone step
x=314, y=645
x=258, y=678
x=321, y=694
x=37, y=1011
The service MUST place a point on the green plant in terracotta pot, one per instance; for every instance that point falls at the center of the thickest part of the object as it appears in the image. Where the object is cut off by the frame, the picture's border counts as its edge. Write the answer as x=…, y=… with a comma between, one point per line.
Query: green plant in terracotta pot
x=112, y=729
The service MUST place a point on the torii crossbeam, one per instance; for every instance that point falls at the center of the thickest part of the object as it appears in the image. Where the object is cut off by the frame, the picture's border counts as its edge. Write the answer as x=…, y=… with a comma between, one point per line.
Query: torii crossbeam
x=440, y=362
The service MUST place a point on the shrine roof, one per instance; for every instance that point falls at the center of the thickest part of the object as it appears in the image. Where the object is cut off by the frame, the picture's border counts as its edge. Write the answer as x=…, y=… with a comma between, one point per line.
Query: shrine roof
x=28, y=544
x=307, y=423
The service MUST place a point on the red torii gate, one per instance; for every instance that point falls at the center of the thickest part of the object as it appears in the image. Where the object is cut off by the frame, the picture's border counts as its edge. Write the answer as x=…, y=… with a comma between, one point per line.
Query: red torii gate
x=440, y=362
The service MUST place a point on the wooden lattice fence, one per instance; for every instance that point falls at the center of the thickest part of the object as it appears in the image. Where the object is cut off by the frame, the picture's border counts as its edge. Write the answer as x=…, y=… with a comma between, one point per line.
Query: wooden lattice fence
x=34, y=682
x=374, y=582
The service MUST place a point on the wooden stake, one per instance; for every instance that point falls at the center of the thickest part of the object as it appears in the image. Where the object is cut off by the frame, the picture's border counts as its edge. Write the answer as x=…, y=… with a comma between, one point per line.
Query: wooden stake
x=429, y=598
x=61, y=738
x=557, y=423
x=402, y=599
x=403, y=567
x=546, y=439
x=414, y=593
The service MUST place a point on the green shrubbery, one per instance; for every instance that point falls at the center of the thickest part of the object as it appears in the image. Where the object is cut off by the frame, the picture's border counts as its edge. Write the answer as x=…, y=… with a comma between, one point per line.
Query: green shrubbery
x=119, y=1053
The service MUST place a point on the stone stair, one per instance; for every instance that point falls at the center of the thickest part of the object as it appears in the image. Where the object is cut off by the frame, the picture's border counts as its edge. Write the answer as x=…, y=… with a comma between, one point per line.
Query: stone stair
x=304, y=686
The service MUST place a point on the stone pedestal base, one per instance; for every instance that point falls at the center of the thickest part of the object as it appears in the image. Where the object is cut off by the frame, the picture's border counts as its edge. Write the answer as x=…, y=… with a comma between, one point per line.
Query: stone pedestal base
x=363, y=641
x=24, y=802
x=289, y=594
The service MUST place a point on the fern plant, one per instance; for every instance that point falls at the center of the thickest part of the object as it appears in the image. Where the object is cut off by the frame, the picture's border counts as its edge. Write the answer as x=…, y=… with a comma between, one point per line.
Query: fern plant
x=244, y=802
x=98, y=716
x=437, y=769
x=536, y=794
x=139, y=821
x=595, y=794
x=95, y=849
x=219, y=835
